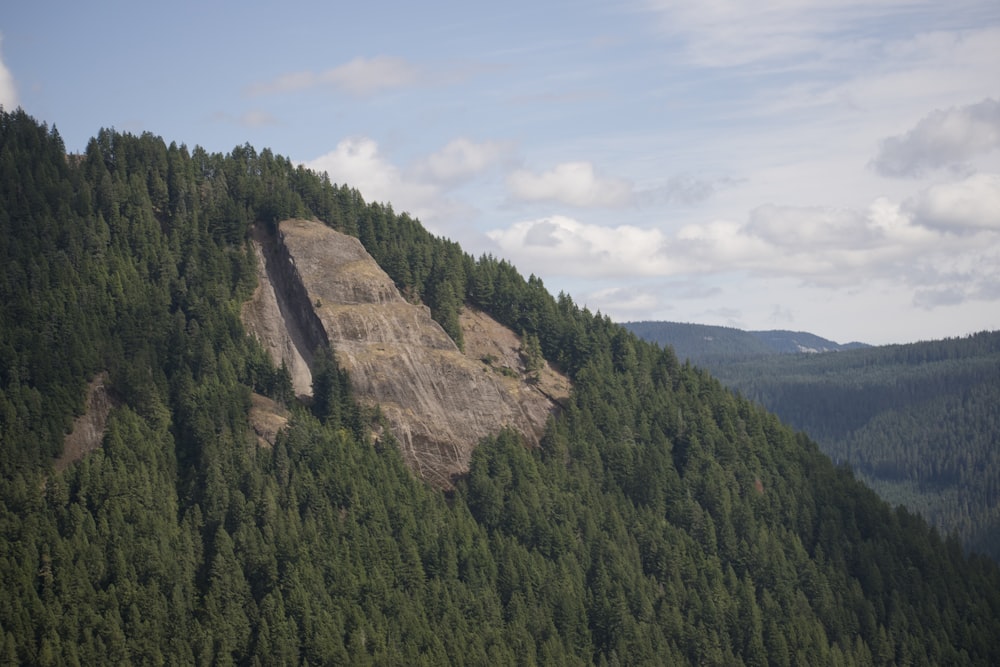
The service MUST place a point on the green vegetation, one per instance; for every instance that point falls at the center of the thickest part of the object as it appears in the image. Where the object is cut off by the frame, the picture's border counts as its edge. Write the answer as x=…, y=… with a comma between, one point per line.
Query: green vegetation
x=662, y=521
x=918, y=423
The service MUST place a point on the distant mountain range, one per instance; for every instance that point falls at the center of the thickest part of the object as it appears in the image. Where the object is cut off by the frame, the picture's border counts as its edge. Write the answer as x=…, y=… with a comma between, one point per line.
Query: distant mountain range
x=701, y=343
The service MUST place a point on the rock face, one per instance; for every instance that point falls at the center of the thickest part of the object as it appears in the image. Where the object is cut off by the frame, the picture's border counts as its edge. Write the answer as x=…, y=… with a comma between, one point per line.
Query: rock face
x=88, y=429
x=275, y=312
x=438, y=401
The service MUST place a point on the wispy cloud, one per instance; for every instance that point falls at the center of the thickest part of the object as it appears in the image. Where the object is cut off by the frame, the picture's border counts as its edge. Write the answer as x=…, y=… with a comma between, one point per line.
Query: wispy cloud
x=942, y=138
x=8, y=89
x=683, y=189
x=360, y=77
x=253, y=118
x=572, y=183
x=461, y=159
x=729, y=33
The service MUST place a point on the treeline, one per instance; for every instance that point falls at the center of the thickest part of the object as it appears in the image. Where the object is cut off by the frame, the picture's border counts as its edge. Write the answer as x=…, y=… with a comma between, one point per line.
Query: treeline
x=919, y=423
x=663, y=520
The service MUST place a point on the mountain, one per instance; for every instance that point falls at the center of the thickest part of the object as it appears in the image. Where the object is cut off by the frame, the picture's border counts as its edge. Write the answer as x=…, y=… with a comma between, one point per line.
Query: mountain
x=225, y=517
x=916, y=422
x=702, y=343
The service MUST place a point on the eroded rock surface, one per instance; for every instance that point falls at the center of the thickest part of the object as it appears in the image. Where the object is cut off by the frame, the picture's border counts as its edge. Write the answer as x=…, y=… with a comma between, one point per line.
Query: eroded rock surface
x=88, y=429
x=438, y=401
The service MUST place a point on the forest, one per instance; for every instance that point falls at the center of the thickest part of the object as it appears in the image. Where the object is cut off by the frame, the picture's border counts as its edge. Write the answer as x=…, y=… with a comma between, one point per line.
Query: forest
x=919, y=423
x=663, y=519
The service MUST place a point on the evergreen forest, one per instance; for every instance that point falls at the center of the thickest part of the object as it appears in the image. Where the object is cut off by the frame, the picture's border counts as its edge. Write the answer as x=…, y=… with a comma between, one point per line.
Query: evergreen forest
x=662, y=520
x=919, y=423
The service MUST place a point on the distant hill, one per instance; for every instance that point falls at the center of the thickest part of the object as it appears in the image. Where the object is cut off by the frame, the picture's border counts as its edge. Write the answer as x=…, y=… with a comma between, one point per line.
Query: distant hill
x=792, y=342
x=919, y=423
x=702, y=343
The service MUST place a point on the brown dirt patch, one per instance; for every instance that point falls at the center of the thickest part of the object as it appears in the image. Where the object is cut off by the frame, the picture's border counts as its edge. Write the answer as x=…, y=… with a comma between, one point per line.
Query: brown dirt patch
x=88, y=429
x=267, y=417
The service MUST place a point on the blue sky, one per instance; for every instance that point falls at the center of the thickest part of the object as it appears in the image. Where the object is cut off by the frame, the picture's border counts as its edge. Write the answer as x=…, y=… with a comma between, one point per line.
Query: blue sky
x=830, y=166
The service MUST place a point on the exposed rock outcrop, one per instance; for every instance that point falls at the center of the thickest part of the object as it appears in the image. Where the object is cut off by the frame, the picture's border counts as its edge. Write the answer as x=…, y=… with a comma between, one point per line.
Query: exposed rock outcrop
x=88, y=429
x=438, y=401
x=267, y=417
x=279, y=315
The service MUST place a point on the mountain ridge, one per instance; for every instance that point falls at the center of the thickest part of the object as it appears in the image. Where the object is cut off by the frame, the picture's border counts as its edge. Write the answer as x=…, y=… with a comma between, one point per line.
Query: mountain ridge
x=702, y=342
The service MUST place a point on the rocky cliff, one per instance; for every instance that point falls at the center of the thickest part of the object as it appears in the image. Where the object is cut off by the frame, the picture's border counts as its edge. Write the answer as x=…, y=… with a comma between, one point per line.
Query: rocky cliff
x=321, y=287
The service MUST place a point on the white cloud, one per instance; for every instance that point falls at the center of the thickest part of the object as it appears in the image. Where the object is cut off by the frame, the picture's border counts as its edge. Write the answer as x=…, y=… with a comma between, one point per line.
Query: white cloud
x=806, y=227
x=626, y=303
x=940, y=139
x=831, y=249
x=566, y=246
x=8, y=89
x=356, y=161
x=360, y=77
x=461, y=159
x=572, y=183
x=968, y=205
x=423, y=188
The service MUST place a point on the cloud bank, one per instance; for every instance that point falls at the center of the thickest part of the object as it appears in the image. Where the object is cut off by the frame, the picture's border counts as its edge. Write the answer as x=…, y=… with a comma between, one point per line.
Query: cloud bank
x=943, y=245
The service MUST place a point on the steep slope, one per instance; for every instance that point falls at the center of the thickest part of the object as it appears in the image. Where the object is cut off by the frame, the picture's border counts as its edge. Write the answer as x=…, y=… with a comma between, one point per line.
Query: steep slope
x=322, y=287
x=269, y=316
x=916, y=422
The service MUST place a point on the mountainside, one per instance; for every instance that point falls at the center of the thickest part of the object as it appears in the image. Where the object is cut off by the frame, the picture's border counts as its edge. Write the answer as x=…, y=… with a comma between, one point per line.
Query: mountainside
x=918, y=423
x=437, y=401
x=660, y=519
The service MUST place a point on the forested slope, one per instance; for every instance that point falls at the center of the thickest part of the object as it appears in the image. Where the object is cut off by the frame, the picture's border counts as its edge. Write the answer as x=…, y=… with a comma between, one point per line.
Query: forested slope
x=662, y=520
x=920, y=423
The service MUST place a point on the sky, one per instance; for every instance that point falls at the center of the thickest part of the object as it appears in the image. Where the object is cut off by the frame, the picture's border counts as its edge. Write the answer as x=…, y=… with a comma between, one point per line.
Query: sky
x=829, y=166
